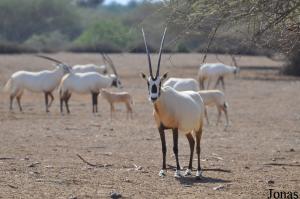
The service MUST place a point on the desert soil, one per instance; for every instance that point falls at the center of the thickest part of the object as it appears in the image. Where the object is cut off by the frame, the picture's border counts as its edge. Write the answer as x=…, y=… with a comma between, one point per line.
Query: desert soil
x=259, y=150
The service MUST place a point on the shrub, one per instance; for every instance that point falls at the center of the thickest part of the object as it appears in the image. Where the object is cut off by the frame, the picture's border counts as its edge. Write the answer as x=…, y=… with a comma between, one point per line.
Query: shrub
x=96, y=48
x=49, y=42
x=12, y=48
x=104, y=32
x=293, y=65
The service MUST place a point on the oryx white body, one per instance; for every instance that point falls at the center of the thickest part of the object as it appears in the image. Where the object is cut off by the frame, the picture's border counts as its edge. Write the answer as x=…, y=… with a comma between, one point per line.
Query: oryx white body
x=183, y=110
x=85, y=83
x=182, y=84
x=44, y=81
x=102, y=69
x=215, y=98
x=217, y=71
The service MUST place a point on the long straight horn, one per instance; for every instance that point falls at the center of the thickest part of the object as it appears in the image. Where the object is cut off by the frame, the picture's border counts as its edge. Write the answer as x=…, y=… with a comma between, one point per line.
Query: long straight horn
x=149, y=59
x=160, y=51
x=110, y=63
x=51, y=59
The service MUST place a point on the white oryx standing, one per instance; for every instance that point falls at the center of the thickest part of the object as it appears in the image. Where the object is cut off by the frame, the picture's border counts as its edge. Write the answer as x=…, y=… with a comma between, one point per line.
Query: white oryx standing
x=209, y=71
x=182, y=84
x=84, y=68
x=209, y=97
x=87, y=83
x=175, y=110
x=43, y=81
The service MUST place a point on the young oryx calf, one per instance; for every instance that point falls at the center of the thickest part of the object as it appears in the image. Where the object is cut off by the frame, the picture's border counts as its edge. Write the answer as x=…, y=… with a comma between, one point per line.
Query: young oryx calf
x=215, y=98
x=175, y=110
x=118, y=97
x=215, y=70
x=44, y=81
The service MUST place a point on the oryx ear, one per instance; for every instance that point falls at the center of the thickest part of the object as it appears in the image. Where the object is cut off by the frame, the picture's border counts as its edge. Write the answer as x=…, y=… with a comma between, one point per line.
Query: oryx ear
x=143, y=75
x=164, y=76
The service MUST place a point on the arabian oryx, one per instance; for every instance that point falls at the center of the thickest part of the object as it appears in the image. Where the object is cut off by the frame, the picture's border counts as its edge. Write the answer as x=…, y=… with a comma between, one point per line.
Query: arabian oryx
x=180, y=111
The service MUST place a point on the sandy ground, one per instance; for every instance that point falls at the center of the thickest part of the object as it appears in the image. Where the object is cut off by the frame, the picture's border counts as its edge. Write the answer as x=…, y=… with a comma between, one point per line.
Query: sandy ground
x=259, y=151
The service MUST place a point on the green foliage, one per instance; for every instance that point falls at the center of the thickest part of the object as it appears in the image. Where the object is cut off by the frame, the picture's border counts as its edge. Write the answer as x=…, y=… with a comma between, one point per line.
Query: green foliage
x=19, y=20
x=113, y=32
x=47, y=42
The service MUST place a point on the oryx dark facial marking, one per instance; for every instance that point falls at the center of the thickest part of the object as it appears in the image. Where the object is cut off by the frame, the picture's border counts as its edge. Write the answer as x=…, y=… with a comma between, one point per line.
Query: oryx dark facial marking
x=154, y=82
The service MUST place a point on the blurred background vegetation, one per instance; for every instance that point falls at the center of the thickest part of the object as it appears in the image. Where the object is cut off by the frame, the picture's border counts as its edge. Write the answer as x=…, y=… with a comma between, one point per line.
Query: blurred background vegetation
x=91, y=26
x=94, y=25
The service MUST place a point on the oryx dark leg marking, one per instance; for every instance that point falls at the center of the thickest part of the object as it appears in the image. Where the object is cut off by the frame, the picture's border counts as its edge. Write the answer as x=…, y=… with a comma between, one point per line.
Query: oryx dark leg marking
x=163, y=145
x=46, y=101
x=11, y=99
x=192, y=146
x=52, y=99
x=175, y=147
x=19, y=95
x=198, y=139
x=217, y=82
x=94, y=101
x=222, y=81
x=67, y=102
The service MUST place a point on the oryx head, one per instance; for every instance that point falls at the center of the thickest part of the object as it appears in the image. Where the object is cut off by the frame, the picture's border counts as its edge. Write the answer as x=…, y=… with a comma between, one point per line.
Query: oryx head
x=154, y=82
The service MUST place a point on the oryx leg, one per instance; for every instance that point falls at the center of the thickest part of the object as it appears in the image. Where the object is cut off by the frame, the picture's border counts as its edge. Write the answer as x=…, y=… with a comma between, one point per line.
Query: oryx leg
x=19, y=95
x=52, y=99
x=11, y=100
x=175, y=150
x=198, y=149
x=46, y=101
x=192, y=146
x=219, y=114
x=164, y=149
x=112, y=109
x=224, y=108
x=205, y=115
x=208, y=83
x=67, y=102
x=217, y=82
x=222, y=82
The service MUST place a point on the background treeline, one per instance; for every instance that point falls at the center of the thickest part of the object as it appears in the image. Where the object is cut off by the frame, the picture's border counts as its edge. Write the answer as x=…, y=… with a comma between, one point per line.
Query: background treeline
x=68, y=25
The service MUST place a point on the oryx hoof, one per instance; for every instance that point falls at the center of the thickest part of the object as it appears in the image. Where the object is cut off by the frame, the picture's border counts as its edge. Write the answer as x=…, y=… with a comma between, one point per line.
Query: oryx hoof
x=177, y=174
x=162, y=173
x=188, y=172
x=199, y=174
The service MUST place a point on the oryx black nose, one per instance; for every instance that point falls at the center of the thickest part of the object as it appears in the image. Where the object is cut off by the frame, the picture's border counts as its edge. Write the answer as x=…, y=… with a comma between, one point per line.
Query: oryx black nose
x=153, y=99
x=154, y=89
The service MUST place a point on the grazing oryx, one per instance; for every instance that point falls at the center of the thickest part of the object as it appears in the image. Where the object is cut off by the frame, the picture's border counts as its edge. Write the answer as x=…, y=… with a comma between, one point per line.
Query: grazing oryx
x=183, y=111
x=215, y=70
x=102, y=69
x=44, y=81
x=85, y=83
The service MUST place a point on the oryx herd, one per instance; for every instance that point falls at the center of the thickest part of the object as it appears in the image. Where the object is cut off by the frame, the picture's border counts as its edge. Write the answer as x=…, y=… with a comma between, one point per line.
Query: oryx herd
x=178, y=103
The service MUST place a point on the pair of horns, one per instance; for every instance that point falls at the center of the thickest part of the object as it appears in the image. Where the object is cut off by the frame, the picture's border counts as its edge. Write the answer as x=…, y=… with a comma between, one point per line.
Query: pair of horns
x=148, y=54
x=108, y=60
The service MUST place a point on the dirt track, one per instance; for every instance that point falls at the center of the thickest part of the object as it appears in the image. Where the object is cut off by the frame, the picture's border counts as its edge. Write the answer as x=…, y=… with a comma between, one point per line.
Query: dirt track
x=260, y=149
